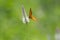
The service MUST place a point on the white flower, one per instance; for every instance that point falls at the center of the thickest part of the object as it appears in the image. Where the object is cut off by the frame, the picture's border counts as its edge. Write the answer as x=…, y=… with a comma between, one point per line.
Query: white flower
x=25, y=18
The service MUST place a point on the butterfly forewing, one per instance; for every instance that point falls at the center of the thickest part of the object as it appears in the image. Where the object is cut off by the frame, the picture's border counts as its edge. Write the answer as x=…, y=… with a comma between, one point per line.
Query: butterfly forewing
x=30, y=13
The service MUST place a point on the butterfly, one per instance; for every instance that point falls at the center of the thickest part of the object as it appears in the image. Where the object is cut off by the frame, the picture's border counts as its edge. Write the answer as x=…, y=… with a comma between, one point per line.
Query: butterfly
x=31, y=16
x=26, y=18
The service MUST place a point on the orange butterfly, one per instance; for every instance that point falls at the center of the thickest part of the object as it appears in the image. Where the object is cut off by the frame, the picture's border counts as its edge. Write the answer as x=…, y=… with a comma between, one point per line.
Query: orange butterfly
x=32, y=17
x=25, y=18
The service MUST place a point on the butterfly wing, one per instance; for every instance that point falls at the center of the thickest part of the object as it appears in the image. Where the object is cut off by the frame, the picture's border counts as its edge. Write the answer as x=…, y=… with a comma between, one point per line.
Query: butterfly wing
x=30, y=13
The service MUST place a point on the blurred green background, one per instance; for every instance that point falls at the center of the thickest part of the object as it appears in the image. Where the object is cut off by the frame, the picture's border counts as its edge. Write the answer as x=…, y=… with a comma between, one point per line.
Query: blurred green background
x=47, y=13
